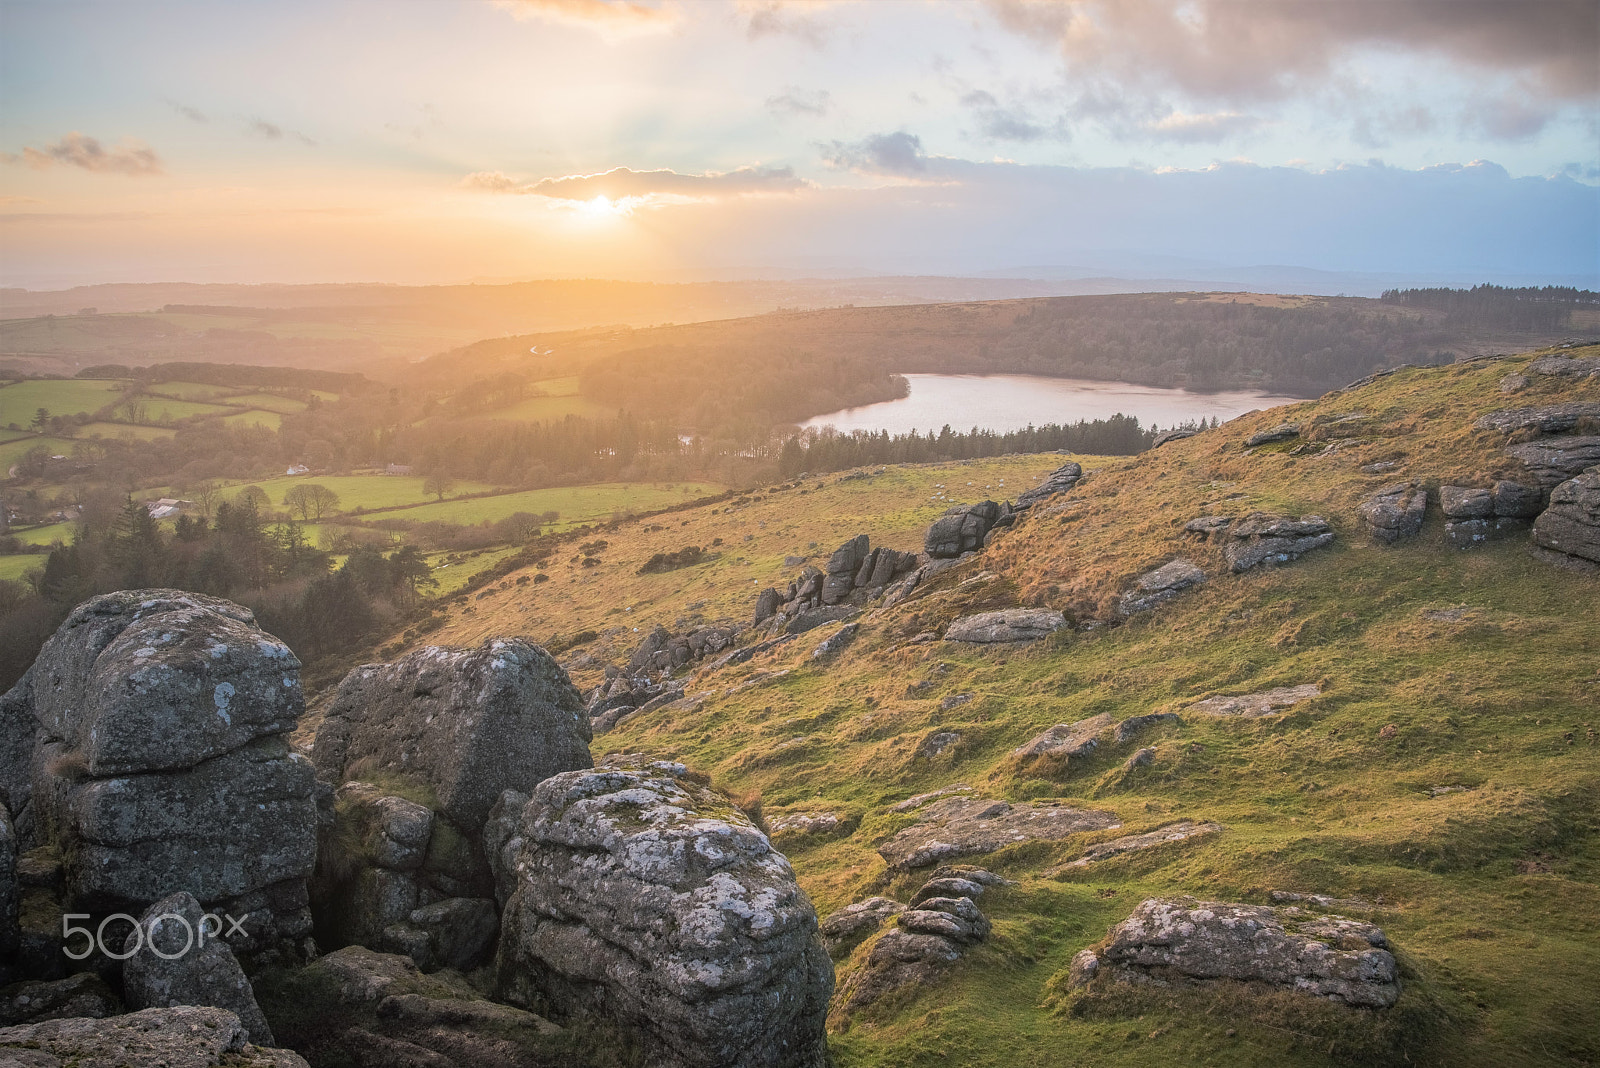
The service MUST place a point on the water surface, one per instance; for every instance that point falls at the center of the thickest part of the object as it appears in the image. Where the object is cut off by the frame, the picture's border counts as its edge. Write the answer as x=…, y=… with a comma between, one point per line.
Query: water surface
x=1012, y=402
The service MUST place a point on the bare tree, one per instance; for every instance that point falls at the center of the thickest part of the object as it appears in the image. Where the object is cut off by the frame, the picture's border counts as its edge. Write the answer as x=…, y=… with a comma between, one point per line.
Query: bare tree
x=312, y=500
x=438, y=484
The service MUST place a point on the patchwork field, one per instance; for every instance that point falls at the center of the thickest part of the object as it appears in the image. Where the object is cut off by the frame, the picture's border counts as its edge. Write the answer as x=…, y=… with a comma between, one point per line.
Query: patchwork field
x=19, y=401
x=576, y=504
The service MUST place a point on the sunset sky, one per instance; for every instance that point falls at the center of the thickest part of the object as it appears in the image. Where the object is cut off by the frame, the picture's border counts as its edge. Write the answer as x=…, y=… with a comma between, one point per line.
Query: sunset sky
x=449, y=140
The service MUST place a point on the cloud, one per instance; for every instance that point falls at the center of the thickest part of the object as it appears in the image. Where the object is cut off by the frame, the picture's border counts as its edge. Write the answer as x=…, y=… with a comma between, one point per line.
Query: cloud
x=1508, y=119
x=1208, y=128
x=997, y=123
x=623, y=182
x=192, y=114
x=797, y=101
x=1238, y=50
x=898, y=153
x=775, y=18
x=609, y=17
x=256, y=126
x=75, y=150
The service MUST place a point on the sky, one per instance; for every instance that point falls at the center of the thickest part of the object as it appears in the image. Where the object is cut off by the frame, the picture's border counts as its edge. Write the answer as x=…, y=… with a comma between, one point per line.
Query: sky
x=430, y=141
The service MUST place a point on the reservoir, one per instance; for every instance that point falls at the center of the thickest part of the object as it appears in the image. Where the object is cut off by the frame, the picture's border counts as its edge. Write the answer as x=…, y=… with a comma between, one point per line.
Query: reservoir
x=1012, y=402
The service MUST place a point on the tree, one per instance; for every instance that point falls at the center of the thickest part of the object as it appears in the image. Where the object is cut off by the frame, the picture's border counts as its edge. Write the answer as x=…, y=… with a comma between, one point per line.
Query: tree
x=41, y=419
x=204, y=493
x=253, y=497
x=312, y=500
x=438, y=484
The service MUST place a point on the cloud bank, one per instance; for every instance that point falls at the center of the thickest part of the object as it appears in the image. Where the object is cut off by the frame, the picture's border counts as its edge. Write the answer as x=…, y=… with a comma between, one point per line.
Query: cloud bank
x=623, y=182
x=131, y=157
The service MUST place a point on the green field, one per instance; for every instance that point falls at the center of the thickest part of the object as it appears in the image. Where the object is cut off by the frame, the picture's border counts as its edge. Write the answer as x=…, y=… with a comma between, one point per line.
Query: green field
x=541, y=409
x=166, y=410
x=13, y=568
x=270, y=401
x=46, y=535
x=358, y=491
x=254, y=417
x=20, y=400
x=12, y=451
x=118, y=430
x=577, y=504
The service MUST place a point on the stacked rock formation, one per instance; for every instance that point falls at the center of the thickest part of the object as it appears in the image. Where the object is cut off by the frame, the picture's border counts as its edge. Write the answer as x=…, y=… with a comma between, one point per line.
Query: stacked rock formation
x=1261, y=538
x=641, y=896
x=1474, y=516
x=1569, y=530
x=1395, y=512
x=158, y=723
x=855, y=574
x=964, y=528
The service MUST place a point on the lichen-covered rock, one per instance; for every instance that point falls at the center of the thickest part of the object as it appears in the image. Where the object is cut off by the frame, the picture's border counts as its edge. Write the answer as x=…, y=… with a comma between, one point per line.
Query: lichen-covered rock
x=1176, y=940
x=1134, y=725
x=1063, y=479
x=1547, y=419
x=162, y=761
x=1571, y=525
x=1566, y=366
x=470, y=723
x=1006, y=625
x=1395, y=512
x=34, y=1000
x=1265, y=703
x=1260, y=538
x=458, y=932
x=1552, y=461
x=959, y=826
x=183, y=961
x=1066, y=741
x=1162, y=585
x=10, y=896
x=962, y=529
x=1282, y=432
x=842, y=567
x=1209, y=527
x=1137, y=843
x=645, y=898
x=856, y=922
x=19, y=733
x=796, y=824
x=502, y=842
x=836, y=642
x=185, y=1037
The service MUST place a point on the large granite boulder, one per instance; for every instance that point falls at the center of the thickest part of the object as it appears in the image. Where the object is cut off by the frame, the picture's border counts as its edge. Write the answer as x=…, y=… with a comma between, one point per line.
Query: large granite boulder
x=467, y=723
x=1260, y=538
x=1570, y=527
x=184, y=1037
x=962, y=529
x=184, y=961
x=1554, y=460
x=35, y=1000
x=643, y=897
x=1178, y=940
x=163, y=762
x=948, y=828
x=1394, y=512
x=1157, y=587
x=1005, y=626
x=840, y=573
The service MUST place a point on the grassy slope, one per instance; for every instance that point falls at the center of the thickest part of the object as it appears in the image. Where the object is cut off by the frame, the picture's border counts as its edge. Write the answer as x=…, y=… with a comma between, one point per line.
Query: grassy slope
x=20, y=400
x=1490, y=892
x=576, y=504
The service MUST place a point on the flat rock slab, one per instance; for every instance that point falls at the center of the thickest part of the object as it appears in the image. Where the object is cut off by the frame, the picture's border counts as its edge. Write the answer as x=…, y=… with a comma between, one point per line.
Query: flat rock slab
x=1265, y=703
x=1566, y=366
x=1162, y=585
x=1284, y=432
x=971, y=826
x=1067, y=740
x=1135, y=843
x=1006, y=625
x=1261, y=538
x=1554, y=460
x=1175, y=940
x=182, y=1037
x=1547, y=419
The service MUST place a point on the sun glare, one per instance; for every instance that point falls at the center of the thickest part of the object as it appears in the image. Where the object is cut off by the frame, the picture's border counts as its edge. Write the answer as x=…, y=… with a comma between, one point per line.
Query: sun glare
x=603, y=207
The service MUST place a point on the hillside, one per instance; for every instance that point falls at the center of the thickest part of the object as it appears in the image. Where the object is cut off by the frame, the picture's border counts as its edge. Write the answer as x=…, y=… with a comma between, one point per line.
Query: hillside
x=1442, y=782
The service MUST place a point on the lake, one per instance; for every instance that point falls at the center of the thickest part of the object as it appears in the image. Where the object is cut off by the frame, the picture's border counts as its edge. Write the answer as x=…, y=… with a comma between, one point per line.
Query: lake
x=1012, y=402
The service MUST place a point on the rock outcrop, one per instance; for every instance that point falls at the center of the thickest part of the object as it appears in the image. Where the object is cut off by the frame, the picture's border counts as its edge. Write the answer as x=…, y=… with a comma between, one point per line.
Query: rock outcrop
x=1554, y=460
x=1546, y=419
x=837, y=642
x=1138, y=843
x=1162, y=585
x=941, y=924
x=959, y=826
x=1260, y=538
x=1066, y=741
x=661, y=650
x=1474, y=515
x=1136, y=725
x=1265, y=703
x=1570, y=527
x=1566, y=366
x=184, y=1037
x=1394, y=512
x=163, y=762
x=643, y=897
x=846, y=929
x=855, y=574
x=33, y=1000
x=467, y=723
x=1282, y=432
x=1177, y=940
x=1063, y=479
x=10, y=898
x=962, y=529
x=183, y=961
x=1005, y=626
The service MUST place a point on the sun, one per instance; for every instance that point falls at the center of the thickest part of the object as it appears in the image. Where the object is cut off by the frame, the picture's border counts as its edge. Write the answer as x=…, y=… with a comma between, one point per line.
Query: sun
x=603, y=207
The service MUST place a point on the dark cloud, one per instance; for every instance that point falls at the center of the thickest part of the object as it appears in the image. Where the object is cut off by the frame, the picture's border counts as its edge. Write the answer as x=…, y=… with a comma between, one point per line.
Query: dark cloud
x=75, y=150
x=1242, y=50
x=625, y=182
x=898, y=153
x=1509, y=119
x=797, y=101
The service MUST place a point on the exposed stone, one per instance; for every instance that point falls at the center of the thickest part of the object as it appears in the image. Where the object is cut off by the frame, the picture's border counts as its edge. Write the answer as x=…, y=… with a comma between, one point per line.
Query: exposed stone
x=1141, y=758
x=502, y=843
x=1261, y=538
x=796, y=824
x=1322, y=901
x=184, y=1037
x=836, y=642
x=1136, y=843
x=470, y=723
x=842, y=567
x=962, y=529
x=1265, y=703
x=458, y=932
x=1395, y=512
x=936, y=744
x=183, y=962
x=1066, y=741
x=1513, y=382
x=10, y=897
x=1571, y=525
x=970, y=826
x=1554, y=460
x=1060, y=480
x=1547, y=419
x=1566, y=366
x=1466, y=502
x=1006, y=625
x=19, y=733
x=33, y=1000
x=645, y=898
x=910, y=804
x=853, y=924
x=1175, y=940
x=1513, y=500
x=954, y=701
x=813, y=618
x=1172, y=435
x=1137, y=724
x=767, y=602
x=1209, y=526
x=1282, y=432
x=1162, y=585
